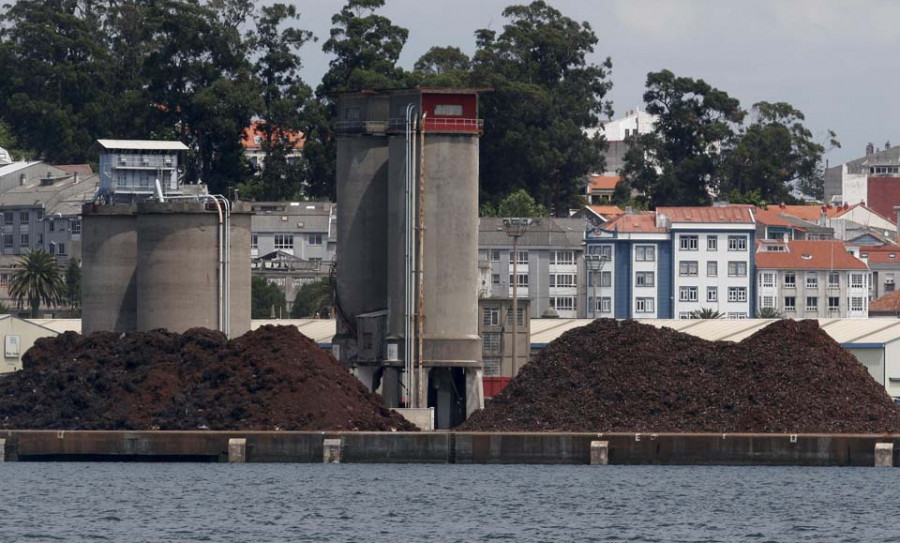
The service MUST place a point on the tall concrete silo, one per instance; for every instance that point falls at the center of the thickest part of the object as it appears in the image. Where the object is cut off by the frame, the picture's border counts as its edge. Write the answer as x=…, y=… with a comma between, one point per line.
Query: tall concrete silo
x=179, y=257
x=362, y=174
x=109, y=260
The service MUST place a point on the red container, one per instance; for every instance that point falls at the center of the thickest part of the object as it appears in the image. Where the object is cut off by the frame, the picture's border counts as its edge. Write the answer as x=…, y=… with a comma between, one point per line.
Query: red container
x=494, y=385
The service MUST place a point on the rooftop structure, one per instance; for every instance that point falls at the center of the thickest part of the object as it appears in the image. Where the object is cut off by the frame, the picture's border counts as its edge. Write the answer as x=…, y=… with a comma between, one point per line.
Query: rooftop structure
x=134, y=169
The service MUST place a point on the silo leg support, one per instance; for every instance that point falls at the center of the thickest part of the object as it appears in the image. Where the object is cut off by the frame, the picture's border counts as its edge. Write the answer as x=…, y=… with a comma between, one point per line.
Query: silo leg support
x=331, y=451
x=2, y=451
x=599, y=453
x=237, y=450
x=884, y=455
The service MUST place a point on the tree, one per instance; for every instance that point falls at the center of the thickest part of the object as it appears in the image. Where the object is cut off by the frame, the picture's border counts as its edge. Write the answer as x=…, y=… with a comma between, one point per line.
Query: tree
x=773, y=151
x=37, y=280
x=706, y=313
x=72, y=285
x=443, y=67
x=517, y=204
x=314, y=300
x=266, y=299
x=768, y=313
x=678, y=163
x=546, y=94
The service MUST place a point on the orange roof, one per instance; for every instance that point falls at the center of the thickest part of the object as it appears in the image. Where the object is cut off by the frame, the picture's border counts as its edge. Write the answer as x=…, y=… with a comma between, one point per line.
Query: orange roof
x=813, y=213
x=808, y=255
x=880, y=256
x=253, y=136
x=644, y=221
x=888, y=302
x=604, y=182
x=606, y=211
x=708, y=214
x=773, y=217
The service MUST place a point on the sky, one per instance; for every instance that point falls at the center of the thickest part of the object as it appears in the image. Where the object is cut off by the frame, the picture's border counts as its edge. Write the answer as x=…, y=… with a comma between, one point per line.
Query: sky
x=833, y=60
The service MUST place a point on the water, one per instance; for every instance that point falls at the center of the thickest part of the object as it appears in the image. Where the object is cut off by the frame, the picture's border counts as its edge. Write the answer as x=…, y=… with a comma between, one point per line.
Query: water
x=400, y=503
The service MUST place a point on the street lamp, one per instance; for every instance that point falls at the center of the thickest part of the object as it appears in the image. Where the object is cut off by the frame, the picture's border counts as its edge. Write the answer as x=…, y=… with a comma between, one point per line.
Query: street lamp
x=594, y=265
x=515, y=228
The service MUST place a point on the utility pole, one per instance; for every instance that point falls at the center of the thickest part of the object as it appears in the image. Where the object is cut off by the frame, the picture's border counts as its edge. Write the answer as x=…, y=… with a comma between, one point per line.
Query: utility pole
x=515, y=228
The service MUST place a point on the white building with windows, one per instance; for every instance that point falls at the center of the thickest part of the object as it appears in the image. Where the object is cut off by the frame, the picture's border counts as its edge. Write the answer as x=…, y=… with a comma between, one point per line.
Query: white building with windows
x=130, y=169
x=804, y=279
x=713, y=259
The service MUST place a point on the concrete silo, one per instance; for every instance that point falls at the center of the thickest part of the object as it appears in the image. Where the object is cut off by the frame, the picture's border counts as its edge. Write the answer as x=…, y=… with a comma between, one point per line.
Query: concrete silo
x=182, y=259
x=109, y=259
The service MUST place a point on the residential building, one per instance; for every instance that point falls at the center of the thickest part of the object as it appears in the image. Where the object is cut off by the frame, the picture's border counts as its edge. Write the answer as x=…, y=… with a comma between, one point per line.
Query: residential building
x=600, y=188
x=846, y=221
x=873, y=179
x=131, y=169
x=253, y=138
x=598, y=214
x=16, y=174
x=811, y=279
x=884, y=268
x=550, y=260
x=292, y=243
x=617, y=133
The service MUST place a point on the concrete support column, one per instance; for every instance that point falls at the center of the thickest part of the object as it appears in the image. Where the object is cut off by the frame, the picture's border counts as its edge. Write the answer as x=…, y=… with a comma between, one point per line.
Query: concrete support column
x=474, y=391
x=237, y=450
x=2, y=451
x=884, y=455
x=599, y=453
x=331, y=451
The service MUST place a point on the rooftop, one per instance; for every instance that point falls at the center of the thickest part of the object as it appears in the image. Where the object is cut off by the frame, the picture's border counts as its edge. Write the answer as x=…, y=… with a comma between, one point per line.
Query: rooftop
x=253, y=137
x=548, y=232
x=708, y=214
x=604, y=182
x=640, y=221
x=142, y=145
x=807, y=255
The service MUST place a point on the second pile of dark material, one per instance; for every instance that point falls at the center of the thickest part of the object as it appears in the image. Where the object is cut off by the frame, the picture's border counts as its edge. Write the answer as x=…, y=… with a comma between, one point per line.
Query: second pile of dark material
x=611, y=376
x=273, y=378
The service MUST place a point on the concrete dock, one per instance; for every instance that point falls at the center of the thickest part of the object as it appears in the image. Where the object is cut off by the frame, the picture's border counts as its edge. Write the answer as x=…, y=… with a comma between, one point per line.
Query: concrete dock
x=451, y=447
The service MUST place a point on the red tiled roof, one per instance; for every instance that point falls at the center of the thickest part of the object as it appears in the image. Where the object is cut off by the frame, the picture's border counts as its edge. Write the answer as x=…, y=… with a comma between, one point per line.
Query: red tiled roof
x=644, y=221
x=813, y=213
x=888, y=302
x=773, y=217
x=808, y=255
x=249, y=140
x=708, y=214
x=606, y=210
x=881, y=257
x=604, y=182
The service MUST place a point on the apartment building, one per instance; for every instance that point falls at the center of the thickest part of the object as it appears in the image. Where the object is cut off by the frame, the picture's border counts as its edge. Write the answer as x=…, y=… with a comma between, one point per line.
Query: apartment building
x=811, y=279
x=550, y=263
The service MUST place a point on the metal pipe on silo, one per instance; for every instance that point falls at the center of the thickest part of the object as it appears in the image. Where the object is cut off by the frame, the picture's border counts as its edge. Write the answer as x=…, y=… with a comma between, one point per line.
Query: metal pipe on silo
x=420, y=332
x=408, y=256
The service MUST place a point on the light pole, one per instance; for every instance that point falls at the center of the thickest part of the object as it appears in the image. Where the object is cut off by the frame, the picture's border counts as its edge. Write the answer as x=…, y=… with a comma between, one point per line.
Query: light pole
x=594, y=264
x=515, y=228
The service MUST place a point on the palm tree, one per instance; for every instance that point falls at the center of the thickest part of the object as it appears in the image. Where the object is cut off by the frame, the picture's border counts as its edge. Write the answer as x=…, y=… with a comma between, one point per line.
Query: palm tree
x=706, y=313
x=768, y=313
x=37, y=279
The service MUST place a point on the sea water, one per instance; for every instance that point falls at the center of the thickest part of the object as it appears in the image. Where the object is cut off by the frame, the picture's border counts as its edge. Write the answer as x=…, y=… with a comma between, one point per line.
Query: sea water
x=438, y=503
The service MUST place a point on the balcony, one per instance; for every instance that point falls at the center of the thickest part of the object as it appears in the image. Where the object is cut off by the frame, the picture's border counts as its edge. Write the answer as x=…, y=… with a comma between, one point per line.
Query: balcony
x=443, y=124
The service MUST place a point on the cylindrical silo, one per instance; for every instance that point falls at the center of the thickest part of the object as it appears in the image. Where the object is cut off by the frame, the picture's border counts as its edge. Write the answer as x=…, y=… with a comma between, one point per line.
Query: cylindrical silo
x=109, y=259
x=179, y=260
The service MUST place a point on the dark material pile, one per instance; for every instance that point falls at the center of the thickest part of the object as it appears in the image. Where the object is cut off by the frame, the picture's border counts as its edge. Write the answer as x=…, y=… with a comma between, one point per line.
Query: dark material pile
x=613, y=376
x=269, y=379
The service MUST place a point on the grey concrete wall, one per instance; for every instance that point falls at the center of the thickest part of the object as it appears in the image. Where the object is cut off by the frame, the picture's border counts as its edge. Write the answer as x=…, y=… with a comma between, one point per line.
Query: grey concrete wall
x=240, y=272
x=109, y=278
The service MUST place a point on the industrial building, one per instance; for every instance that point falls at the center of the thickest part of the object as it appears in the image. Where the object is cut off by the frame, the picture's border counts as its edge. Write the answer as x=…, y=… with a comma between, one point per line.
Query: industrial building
x=407, y=247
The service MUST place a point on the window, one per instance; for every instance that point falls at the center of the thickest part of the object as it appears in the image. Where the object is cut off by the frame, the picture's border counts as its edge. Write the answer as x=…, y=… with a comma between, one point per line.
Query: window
x=605, y=251
x=563, y=257
x=737, y=269
x=52, y=225
x=712, y=294
x=495, y=278
x=687, y=243
x=712, y=243
x=4, y=279
x=856, y=304
x=520, y=311
x=351, y=113
x=812, y=303
x=523, y=257
x=737, y=243
x=687, y=268
x=687, y=294
x=76, y=226
x=767, y=279
x=606, y=279
x=495, y=255
x=254, y=241
x=644, y=279
x=790, y=279
x=737, y=294
x=737, y=315
x=834, y=304
x=856, y=280
x=145, y=178
x=40, y=238
x=39, y=214
x=563, y=303
x=8, y=218
x=834, y=279
x=7, y=240
x=562, y=280
x=23, y=217
x=490, y=316
x=606, y=305
x=455, y=110
x=767, y=301
x=685, y=315
x=368, y=340
x=490, y=342
x=712, y=268
x=61, y=249
x=121, y=181
x=314, y=239
x=491, y=365
x=645, y=253
x=643, y=305
x=523, y=280
x=284, y=241
x=23, y=240
x=790, y=303
x=812, y=280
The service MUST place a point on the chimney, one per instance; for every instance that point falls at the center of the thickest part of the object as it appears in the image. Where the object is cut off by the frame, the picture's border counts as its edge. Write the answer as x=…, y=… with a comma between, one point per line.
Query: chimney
x=887, y=145
x=870, y=149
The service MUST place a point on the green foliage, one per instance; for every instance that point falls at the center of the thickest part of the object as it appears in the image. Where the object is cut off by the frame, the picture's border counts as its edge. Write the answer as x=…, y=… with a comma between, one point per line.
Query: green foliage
x=443, y=67
x=517, y=204
x=768, y=313
x=36, y=280
x=266, y=300
x=72, y=284
x=546, y=94
x=314, y=300
x=706, y=313
x=678, y=163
